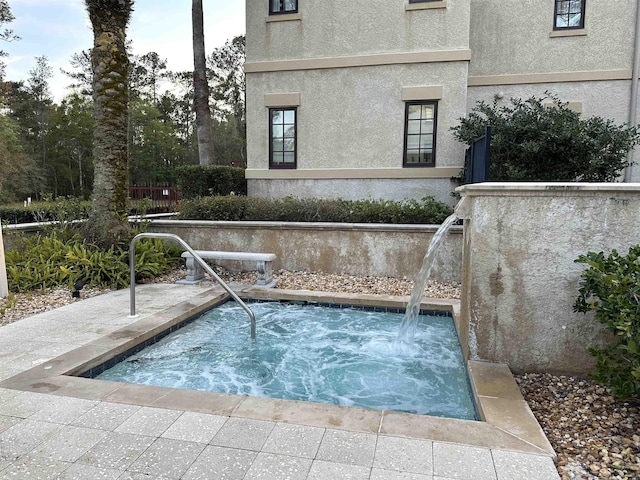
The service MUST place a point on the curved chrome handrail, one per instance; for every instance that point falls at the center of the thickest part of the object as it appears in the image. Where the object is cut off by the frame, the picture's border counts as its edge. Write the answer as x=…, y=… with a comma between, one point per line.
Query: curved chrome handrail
x=197, y=258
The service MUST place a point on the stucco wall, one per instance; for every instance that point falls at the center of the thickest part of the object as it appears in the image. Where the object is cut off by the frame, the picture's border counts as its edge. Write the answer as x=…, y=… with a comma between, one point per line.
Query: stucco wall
x=356, y=249
x=512, y=36
x=354, y=118
x=356, y=189
x=339, y=28
x=519, y=276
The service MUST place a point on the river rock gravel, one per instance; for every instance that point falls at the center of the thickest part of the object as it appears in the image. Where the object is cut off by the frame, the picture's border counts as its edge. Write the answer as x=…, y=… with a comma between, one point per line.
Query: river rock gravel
x=594, y=436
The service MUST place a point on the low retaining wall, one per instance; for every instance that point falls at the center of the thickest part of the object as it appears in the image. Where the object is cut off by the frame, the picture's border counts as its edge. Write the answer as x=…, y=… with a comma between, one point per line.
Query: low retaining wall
x=520, y=281
x=356, y=249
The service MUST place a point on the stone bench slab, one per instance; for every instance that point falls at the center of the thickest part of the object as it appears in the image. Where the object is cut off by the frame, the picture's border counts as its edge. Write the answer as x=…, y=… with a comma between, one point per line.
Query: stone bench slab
x=195, y=272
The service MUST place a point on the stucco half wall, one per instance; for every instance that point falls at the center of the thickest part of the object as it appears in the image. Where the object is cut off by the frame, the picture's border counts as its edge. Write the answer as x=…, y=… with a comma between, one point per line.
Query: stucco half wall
x=519, y=277
x=355, y=249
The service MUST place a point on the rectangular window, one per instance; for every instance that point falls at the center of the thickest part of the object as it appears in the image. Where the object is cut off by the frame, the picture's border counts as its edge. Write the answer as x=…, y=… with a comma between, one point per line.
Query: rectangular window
x=422, y=1
x=568, y=14
x=420, y=134
x=282, y=6
x=282, y=137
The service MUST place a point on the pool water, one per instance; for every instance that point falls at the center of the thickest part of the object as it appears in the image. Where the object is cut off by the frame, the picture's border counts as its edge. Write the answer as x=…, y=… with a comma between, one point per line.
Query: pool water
x=341, y=356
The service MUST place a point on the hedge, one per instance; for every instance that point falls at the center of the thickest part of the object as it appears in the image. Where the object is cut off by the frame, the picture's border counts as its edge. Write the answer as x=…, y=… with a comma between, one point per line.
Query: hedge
x=210, y=180
x=290, y=209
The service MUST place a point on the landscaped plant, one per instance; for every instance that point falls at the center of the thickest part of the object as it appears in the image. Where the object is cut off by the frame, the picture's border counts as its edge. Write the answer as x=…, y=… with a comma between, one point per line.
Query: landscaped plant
x=542, y=139
x=60, y=258
x=610, y=287
x=289, y=209
x=210, y=180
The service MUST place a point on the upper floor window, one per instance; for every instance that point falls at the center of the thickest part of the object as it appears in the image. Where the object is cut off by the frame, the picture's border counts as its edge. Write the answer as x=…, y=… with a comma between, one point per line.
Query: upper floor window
x=420, y=134
x=282, y=137
x=568, y=14
x=282, y=6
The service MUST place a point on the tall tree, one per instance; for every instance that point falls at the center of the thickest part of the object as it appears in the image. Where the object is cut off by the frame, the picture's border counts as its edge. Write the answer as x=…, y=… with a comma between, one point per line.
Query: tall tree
x=109, y=62
x=5, y=34
x=227, y=69
x=201, y=88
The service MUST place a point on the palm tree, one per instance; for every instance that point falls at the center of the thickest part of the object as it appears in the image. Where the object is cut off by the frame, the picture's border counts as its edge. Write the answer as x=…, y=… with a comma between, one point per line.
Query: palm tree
x=201, y=88
x=109, y=64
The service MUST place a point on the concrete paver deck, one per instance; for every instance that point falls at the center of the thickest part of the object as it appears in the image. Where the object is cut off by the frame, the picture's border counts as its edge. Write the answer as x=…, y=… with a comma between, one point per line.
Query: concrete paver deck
x=50, y=435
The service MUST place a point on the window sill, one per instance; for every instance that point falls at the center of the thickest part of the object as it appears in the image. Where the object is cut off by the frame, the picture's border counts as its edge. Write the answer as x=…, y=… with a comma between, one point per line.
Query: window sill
x=570, y=32
x=425, y=5
x=287, y=17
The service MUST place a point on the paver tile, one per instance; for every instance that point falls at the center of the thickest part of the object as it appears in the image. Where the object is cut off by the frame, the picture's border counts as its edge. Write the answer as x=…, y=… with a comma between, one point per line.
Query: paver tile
x=355, y=448
x=63, y=409
x=514, y=465
x=462, y=462
x=30, y=467
x=268, y=466
x=404, y=454
x=70, y=443
x=243, y=433
x=195, y=427
x=8, y=422
x=140, y=476
x=24, y=404
x=82, y=471
x=221, y=463
x=322, y=470
x=167, y=457
x=149, y=421
x=117, y=450
x=25, y=436
x=382, y=474
x=106, y=416
x=294, y=440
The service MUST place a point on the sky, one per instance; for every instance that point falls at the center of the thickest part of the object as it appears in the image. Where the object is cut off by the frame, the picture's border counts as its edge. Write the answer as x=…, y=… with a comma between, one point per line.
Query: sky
x=60, y=28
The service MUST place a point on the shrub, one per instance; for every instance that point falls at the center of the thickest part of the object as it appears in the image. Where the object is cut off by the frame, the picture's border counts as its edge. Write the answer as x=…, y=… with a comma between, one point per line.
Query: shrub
x=62, y=209
x=210, y=180
x=60, y=257
x=290, y=209
x=537, y=141
x=610, y=287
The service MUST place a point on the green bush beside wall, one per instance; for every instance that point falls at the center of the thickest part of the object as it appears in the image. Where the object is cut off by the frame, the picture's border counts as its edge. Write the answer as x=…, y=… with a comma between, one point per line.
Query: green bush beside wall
x=289, y=209
x=210, y=180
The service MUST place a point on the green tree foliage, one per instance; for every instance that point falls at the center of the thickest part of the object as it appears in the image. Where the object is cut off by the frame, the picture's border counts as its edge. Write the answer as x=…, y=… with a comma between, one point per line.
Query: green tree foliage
x=6, y=34
x=610, y=287
x=541, y=139
x=19, y=171
x=226, y=65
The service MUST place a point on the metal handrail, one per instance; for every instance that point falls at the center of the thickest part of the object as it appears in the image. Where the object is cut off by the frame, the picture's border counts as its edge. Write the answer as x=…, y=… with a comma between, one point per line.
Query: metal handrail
x=197, y=258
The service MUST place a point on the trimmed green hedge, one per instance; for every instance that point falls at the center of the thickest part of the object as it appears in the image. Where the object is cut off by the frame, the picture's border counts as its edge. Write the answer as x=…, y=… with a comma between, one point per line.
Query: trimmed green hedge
x=289, y=209
x=210, y=180
x=62, y=209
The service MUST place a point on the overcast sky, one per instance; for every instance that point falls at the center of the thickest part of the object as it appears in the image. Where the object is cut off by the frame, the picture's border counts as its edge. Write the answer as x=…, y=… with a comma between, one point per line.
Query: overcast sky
x=60, y=28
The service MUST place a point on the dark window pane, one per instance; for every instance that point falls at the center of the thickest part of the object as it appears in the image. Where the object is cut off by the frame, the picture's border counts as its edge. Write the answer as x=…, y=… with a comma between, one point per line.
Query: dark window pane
x=427, y=111
x=413, y=127
x=289, y=117
x=413, y=156
x=277, y=157
x=290, y=131
x=413, y=142
x=277, y=145
x=414, y=112
x=575, y=20
x=289, y=144
x=426, y=142
x=277, y=131
x=289, y=157
x=276, y=116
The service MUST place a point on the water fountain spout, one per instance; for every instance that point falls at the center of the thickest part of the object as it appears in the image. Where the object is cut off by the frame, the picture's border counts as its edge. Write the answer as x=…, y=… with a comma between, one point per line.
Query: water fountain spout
x=409, y=323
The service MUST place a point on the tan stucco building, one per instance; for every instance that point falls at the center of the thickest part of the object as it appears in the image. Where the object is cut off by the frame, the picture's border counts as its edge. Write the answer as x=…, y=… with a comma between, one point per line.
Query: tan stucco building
x=356, y=99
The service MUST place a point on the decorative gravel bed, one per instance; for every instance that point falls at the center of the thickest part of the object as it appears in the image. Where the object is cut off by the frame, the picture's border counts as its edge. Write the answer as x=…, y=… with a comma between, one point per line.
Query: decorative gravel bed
x=593, y=436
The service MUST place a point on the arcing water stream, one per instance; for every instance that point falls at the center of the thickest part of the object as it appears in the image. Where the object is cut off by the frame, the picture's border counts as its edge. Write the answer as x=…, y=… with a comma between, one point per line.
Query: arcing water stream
x=410, y=320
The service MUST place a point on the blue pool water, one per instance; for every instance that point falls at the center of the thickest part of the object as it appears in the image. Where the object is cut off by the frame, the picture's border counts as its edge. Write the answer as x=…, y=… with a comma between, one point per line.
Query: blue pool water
x=341, y=356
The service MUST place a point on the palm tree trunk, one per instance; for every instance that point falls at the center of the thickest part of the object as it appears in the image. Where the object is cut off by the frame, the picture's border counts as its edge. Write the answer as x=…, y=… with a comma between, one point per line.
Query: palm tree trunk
x=108, y=221
x=201, y=88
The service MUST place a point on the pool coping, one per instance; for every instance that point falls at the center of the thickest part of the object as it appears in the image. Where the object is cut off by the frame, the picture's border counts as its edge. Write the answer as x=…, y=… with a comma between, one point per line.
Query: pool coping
x=507, y=422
